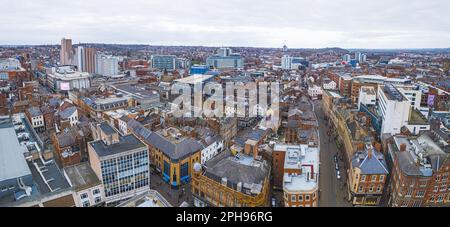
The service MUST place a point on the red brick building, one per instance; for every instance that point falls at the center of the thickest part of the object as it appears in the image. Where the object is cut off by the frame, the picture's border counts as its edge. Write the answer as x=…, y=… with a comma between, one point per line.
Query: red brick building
x=420, y=171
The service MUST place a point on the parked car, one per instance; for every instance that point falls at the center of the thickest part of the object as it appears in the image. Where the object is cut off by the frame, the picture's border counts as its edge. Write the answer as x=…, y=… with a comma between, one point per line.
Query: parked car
x=335, y=158
x=338, y=175
x=274, y=202
x=337, y=166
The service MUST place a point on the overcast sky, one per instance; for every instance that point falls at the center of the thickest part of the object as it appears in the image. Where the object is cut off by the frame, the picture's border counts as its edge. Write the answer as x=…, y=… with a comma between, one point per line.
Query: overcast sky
x=257, y=23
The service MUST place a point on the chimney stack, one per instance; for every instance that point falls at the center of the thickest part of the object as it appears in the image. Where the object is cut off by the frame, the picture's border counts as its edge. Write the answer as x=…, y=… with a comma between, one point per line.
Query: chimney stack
x=369, y=152
x=402, y=147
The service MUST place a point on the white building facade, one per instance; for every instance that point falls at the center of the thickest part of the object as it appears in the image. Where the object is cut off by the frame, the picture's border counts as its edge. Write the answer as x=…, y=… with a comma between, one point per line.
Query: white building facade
x=395, y=109
x=211, y=151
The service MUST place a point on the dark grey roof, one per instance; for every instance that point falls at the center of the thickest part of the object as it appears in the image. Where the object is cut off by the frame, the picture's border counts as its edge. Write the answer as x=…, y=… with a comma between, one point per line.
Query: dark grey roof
x=107, y=129
x=138, y=129
x=370, y=165
x=52, y=174
x=125, y=118
x=175, y=151
x=126, y=143
x=236, y=172
x=34, y=111
x=67, y=112
x=55, y=102
x=66, y=138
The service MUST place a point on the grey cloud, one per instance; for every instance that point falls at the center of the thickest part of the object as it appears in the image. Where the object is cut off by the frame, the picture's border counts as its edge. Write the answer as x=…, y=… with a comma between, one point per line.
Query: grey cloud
x=319, y=23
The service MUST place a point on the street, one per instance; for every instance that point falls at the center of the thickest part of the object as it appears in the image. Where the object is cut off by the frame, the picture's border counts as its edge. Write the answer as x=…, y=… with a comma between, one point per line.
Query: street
x=333, y=192
x=174, y=196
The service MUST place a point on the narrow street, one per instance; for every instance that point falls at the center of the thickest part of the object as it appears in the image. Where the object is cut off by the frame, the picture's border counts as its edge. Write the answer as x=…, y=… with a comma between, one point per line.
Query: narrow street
x=174, y=196
x=333, y=192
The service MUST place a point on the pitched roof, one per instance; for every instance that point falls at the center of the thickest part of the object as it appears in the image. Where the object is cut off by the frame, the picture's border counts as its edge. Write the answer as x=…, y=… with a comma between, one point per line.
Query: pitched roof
x=67, y=112
x=175, y=151
x=376, y=164
x=34, y=111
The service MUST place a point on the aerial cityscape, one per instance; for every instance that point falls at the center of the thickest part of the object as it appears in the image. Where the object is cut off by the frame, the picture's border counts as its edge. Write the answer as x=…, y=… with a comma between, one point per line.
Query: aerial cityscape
x=248, y=105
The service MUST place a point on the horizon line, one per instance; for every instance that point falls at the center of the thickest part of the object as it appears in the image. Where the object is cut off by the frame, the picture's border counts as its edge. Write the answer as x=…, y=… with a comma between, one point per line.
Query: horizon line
x=233, y=46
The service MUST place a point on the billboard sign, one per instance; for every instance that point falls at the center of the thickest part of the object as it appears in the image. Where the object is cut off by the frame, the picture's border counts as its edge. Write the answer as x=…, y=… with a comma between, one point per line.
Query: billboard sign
x=64, y=86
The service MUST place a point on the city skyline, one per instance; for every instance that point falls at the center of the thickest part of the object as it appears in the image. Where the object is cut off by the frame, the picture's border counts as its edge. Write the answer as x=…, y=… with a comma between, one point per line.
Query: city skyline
x=346, y=24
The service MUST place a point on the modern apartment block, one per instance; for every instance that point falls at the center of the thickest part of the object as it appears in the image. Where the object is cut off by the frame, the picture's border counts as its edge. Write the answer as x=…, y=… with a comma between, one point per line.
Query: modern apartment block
x=66, y=52
x=225, y=59
x=164, y=62
x=120, y=162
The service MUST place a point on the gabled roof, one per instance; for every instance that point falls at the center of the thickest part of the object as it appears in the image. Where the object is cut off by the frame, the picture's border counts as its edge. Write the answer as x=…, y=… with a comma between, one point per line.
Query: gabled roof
x=376, y=164
x=34, y=111
x=67, y=112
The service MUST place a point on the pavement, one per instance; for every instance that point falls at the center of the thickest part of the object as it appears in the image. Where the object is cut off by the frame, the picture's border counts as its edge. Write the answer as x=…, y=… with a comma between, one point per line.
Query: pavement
x=332, y=192
x=174, y=196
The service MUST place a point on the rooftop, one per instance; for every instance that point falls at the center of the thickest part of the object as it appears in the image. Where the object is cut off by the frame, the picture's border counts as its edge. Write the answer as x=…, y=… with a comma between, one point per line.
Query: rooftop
x=303, y=158
x=173, y=146
x=420, y=156
x=374, y=163
x=392, y=93
x=150, y=199
x=416, y=118
x=12, y=161
x=195, y=79
x=239, y=171
x=107, y=129
x=34, y=111
x=67, y=112
x=81, y=176
x=126, y=143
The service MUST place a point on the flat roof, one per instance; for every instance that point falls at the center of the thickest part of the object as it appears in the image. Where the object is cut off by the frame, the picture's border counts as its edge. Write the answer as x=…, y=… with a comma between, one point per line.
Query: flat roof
x=150, y=199
x=12, y=161
x=82, y=176
x=304, y=158
x=194, y=79
x=126, y=143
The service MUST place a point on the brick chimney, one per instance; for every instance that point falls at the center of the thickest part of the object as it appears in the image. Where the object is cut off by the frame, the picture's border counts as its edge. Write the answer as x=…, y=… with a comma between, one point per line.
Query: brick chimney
x=377, y=146
x=402, y=147
x=369, y=152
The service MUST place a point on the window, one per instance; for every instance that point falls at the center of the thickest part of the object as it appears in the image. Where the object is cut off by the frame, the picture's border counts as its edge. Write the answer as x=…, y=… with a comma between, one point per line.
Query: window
x=371, y=188
x=404, y=203
x=293, y=198
x=300, y=198
x=98, y=199
x=379, y=188
x=443, y=187
x=96, y=191
x=436, y=188
x=84, y=196
x=86, y=204
x=360, y=189
x=363, y=178
x=307, y=197
x=381, y=178
x=374, y=177
x=409, y=193
x=420, y=194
